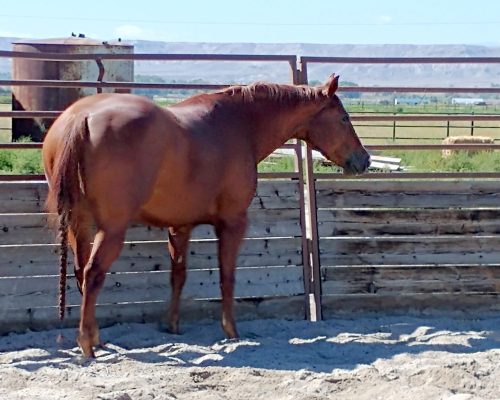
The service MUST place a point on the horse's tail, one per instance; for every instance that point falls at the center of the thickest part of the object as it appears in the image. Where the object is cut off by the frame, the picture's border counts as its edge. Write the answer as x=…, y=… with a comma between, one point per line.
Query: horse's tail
x=65, y=191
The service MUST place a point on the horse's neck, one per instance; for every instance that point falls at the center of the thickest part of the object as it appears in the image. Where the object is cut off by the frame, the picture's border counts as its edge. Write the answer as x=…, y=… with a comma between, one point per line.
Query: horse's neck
x=277, y=124
x=266, y=122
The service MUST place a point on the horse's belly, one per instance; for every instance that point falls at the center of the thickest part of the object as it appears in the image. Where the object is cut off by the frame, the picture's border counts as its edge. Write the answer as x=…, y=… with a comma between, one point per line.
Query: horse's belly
x=179, y=209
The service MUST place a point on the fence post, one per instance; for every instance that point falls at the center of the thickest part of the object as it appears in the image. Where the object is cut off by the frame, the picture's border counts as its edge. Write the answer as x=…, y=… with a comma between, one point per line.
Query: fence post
x=394, y=129
x=299, y=167
x=472, y=125
x=314, y=284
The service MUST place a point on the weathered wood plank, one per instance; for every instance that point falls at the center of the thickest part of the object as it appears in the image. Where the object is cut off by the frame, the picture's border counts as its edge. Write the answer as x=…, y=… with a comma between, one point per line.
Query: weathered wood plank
x=410, y=279
x=153, y=256
x=203, y=254
x=34, y=228
x=482, y=186
x=262, y=223
x=29, y=197
x=41, y=291
x=25, y=229
x=22, y=197
x=412, y=304
x=407, y=194
x=376, y=222
x=39, y=318
x=410, y=250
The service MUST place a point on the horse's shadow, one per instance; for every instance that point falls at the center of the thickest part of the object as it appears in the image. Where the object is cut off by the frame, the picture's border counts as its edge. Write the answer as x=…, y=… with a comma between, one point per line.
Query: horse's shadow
x=275, y=345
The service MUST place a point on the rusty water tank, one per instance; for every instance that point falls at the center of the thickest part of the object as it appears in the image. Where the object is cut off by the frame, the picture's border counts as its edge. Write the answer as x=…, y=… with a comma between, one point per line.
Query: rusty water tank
x=57, y=99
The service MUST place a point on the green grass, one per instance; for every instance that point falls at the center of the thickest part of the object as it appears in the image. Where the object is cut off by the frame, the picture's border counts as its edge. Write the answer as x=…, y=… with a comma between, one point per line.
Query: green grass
x=441, y=108
x=29, y=161
x=21, y=161
x=460, y=161
x=413, y=161
x=287, y=164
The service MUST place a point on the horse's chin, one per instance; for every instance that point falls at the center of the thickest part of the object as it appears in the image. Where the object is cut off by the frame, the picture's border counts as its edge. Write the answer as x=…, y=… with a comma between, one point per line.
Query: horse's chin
x=354, y=169
x=351, y=172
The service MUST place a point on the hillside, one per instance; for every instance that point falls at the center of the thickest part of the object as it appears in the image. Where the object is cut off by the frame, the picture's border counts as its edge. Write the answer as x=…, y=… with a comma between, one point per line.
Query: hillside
x=227, y=72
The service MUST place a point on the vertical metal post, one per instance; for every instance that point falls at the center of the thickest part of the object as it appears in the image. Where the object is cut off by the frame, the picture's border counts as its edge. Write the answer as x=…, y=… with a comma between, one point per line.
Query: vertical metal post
x=472, y=126
x=306, y=262
x=394, y=129
x=299, y=168
x=311, y=223
x=102, y=71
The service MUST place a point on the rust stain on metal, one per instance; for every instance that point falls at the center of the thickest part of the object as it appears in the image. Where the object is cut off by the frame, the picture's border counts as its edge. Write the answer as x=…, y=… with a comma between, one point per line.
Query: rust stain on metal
x=29, y=98
x=101, y=73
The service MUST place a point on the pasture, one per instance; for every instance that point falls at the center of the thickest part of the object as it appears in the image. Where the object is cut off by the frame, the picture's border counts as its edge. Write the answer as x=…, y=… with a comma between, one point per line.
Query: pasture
x=429, y=132
x=387, y=132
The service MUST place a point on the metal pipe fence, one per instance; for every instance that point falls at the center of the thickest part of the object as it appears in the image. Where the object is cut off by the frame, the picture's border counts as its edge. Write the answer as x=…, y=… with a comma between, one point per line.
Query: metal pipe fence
x=304, y=171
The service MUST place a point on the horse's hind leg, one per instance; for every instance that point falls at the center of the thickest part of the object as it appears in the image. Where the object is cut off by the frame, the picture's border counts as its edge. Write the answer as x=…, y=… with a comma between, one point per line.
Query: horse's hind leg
x=178, y=241
x=106, y=248
x=80, y=236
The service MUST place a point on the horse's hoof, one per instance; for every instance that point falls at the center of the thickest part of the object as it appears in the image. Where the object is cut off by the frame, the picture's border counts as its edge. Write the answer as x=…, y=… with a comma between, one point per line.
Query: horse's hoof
x=231, y=332
x=86, y=347
x=174, y=330
x=87, y=352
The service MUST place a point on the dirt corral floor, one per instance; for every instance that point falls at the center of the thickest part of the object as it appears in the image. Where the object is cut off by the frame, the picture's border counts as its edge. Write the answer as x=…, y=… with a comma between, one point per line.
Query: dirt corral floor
x=361, y=358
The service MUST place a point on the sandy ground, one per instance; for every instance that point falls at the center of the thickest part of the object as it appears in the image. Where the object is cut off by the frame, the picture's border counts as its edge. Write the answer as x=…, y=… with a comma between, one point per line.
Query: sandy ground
x=360, y=358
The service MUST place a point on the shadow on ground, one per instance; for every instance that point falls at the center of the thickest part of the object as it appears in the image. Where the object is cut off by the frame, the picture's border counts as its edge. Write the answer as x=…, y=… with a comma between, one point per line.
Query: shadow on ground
x=268, y=344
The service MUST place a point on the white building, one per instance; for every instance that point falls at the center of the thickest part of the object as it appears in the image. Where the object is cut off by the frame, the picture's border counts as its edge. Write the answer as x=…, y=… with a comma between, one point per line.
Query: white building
x=468, y=101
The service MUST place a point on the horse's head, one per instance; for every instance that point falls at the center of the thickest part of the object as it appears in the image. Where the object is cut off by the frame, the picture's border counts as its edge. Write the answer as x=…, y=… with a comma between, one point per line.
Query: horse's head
x=330, y=131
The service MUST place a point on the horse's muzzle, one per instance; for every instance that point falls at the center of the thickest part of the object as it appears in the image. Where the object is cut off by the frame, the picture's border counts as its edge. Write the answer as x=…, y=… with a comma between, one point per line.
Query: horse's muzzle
x=358, y=162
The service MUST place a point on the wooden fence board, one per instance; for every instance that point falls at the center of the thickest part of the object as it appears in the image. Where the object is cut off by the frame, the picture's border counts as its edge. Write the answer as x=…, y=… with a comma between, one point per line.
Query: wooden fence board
x=460, y=304
x=34, y=229
x=22, y=197
x=407, y=194
x=33, y=260
x=20, y=319
x=29, y=197
x=376, y=222
x=410, y=250
x=41, y=291
x=398, y=280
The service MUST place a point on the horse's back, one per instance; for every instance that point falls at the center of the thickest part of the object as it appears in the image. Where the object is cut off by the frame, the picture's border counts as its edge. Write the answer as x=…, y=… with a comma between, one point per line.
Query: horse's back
x=126, y=139
x=167, y=167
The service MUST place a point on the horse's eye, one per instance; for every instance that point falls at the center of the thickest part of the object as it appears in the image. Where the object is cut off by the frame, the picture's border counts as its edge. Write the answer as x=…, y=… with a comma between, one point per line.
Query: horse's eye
x=345, y=119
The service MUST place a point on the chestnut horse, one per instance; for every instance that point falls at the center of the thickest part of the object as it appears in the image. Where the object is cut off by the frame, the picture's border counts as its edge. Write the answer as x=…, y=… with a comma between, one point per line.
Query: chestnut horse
x=111, y=159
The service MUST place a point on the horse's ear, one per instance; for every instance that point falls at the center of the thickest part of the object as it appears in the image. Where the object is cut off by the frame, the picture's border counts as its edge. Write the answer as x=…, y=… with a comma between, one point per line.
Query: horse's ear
x=331, y=85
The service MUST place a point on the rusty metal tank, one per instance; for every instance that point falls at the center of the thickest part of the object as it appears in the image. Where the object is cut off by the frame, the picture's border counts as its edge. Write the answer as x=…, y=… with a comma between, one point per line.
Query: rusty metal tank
x=56, y=99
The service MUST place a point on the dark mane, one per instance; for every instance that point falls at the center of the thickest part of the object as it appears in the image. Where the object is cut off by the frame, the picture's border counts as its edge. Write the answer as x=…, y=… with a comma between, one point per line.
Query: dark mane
x=273, y=91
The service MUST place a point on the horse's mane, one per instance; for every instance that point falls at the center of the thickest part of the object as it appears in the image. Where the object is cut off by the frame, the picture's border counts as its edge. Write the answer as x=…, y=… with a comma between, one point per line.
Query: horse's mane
x=273, y=91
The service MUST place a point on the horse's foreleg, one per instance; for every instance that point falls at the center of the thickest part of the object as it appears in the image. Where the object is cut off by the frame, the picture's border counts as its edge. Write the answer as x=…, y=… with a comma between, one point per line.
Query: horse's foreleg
x=105, y=250
x=178, y=241
x=230, y=234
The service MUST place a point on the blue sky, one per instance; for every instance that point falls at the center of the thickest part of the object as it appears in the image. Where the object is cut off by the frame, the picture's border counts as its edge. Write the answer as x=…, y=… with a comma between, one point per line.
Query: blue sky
x=265, y=21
